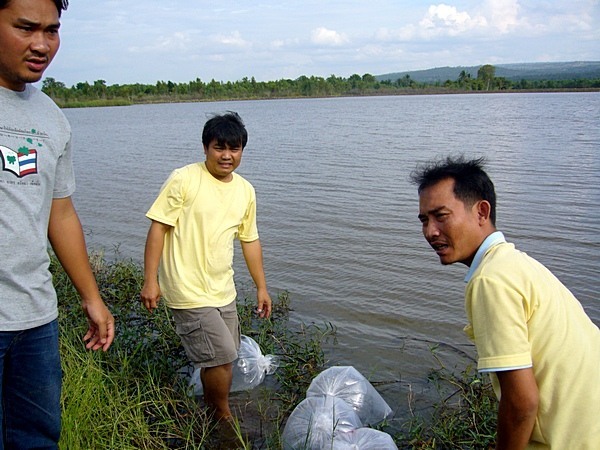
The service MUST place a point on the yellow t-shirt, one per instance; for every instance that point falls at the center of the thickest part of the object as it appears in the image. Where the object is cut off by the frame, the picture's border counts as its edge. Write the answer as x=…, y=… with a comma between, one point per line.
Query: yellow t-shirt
x=521, y=315
x=205, y=216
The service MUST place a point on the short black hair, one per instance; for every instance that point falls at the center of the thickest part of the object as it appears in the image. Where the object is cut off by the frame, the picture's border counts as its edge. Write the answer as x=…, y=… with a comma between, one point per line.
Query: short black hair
x=61, y=5
x=228, y=129
x=471, y=182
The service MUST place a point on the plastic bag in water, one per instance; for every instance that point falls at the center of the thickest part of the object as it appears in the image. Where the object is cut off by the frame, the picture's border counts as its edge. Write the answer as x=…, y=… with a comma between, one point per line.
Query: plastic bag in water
x=249, y=369
x=363, y=439
x=316, y=421
x=347, y=383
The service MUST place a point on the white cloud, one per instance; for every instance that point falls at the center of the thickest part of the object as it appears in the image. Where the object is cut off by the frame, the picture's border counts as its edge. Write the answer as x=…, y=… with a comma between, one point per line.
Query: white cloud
x=176, y=42
x=283, y=43
x=572, y=22
x=323, y=36
x=492, y=17
x=504, y=14
x=449, y=20
x=370, y=51
x=405, y=33
x=234, y=40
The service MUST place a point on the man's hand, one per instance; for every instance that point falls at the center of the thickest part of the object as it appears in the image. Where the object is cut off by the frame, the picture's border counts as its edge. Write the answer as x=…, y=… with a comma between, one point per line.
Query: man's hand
x=264, y=303
x=101, y=325
x=150, y=295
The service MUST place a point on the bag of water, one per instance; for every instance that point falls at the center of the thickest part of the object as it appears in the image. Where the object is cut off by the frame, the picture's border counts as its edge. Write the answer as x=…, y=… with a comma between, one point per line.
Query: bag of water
x=348, y=384
x=251, y=367
x=249, y=370
x=363, y=439
x=316, y=421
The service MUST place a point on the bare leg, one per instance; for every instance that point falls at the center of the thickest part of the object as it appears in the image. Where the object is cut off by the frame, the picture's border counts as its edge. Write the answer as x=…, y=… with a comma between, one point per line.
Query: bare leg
x=216, y=382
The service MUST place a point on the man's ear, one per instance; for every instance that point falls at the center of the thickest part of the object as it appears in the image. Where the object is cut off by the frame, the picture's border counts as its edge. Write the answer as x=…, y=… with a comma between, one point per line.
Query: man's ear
x=483, y=211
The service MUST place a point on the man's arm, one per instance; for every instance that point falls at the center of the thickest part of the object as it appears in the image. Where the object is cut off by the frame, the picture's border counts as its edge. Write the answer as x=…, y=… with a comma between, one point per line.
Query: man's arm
x=254, y=260
x=66, y=237
x=155, y=241
x=519, y=398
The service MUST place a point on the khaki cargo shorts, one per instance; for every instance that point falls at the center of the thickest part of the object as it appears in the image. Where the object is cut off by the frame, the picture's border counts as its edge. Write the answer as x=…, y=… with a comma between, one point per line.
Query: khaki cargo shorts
x=210, y=336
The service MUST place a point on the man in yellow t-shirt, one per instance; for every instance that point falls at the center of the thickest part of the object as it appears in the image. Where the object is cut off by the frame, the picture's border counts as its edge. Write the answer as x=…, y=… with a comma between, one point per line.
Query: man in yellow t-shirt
x=199, y=212
x=532, y=335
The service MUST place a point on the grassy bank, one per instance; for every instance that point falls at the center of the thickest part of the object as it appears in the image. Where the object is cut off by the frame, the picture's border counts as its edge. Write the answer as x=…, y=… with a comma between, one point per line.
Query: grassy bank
x=135, y=397
x=157, y=99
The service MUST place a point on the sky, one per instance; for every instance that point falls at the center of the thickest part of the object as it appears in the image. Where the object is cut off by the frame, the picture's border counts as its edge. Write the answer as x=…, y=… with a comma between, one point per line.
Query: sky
x=145, y=41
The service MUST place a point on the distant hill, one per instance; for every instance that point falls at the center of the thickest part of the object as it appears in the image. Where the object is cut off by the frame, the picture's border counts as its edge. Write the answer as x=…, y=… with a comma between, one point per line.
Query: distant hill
x=513, y=72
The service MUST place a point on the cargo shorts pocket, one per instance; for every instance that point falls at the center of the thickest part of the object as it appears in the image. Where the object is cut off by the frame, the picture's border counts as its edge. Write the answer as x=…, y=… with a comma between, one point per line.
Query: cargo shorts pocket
x=194, y=339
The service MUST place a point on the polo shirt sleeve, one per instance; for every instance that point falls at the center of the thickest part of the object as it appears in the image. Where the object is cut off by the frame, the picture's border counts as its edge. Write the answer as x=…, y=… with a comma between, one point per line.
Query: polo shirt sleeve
x=498, y=315
x=248, y=230
x=168, y=205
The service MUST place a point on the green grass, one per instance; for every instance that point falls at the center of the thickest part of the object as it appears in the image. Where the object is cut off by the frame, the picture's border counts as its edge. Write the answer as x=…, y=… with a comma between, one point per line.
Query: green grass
x=93, y=103
x=463, y=418
x=135, y=397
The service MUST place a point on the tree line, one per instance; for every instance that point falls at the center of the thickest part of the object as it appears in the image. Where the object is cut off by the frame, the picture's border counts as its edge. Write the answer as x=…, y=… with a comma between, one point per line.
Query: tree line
x=99, y=93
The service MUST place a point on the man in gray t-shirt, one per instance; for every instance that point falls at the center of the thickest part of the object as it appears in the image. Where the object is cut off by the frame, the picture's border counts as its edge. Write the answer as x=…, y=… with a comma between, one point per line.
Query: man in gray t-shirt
x=36, y=184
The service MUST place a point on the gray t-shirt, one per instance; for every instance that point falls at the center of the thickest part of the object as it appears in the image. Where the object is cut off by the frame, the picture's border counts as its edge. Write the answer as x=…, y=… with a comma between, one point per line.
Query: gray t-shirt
x=36, y=166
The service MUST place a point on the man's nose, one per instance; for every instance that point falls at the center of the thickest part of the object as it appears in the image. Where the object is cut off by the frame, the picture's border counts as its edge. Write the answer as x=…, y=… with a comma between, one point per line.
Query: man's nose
x=40, y=43
x=430, y=230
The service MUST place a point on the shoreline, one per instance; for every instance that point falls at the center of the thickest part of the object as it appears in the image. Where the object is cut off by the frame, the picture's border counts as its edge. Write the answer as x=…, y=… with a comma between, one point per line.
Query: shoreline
x=121, y=101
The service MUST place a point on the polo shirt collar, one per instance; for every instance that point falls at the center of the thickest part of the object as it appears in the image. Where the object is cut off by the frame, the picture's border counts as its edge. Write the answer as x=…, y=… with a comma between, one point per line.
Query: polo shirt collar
x=495, y=238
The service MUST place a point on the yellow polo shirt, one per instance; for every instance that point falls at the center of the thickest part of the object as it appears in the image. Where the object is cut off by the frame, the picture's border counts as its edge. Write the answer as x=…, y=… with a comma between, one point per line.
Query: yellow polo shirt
x=205, y=216
x=521, y=315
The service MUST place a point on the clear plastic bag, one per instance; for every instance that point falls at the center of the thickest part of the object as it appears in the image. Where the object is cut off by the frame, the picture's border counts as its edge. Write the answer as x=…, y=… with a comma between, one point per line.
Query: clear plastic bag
x=249, y=369
x=348, y=384
x=363, y=439
x=195, y=385
x=316, y=421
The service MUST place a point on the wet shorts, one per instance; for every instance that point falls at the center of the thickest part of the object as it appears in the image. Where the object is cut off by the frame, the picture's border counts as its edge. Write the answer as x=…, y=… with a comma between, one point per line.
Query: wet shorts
x=210, y=336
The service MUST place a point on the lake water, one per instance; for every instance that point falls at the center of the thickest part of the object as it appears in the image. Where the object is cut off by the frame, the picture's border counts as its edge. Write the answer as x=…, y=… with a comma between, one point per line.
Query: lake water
x=338, y=215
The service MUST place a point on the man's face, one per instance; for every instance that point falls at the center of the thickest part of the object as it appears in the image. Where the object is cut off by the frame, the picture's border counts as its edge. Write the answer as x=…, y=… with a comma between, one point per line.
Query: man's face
x=452, y=228
x=222, y=160
x=29, y=40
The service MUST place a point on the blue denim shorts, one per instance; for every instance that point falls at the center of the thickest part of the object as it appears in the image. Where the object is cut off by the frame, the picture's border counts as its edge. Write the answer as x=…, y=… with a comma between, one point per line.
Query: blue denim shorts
x=210, y=336
x=31, y=376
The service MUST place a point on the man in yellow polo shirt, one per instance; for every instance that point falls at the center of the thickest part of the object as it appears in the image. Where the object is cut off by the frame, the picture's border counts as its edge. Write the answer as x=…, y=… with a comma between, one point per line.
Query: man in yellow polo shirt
x=200, y=210
x=532, y=335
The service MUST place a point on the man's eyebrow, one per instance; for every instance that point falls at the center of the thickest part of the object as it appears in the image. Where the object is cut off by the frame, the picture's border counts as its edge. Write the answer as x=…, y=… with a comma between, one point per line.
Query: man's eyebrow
x=431, y=211
x=31, y=23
